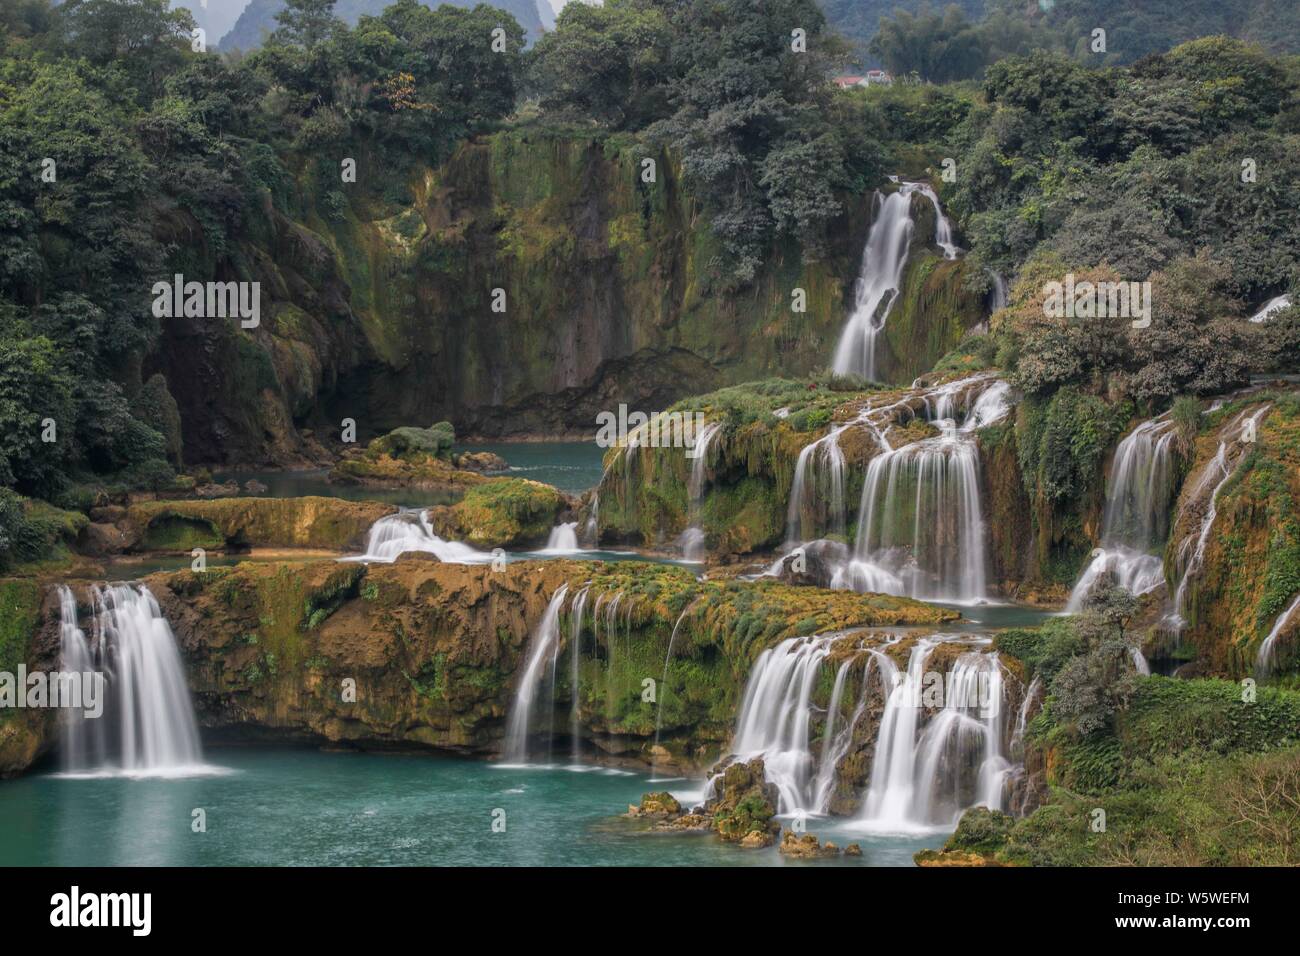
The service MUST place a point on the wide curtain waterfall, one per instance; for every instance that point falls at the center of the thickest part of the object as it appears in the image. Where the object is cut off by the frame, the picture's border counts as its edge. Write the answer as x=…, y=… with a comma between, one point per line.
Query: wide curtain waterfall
x=1135, y=523
x=943, y=743
x=926, y=772
x=148, y=725
x=921, y=526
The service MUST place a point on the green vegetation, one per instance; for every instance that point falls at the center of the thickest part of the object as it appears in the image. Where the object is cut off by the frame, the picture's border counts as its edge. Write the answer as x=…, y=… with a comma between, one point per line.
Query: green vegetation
x=502, y=512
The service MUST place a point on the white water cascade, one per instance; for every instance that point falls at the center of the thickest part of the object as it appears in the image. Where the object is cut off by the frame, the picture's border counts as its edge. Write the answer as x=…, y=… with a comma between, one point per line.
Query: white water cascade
x=1136, y=518
x=818, y=486
x=927, y=772
x=921, y=527
x=774, y=718
x=1191, y=551
x=691, y=541
x=545, y=645
x=1266, y=661
x=148, y=726
x=1272, y=306
x=405, y=531
x=883, y=259
x=563, y=539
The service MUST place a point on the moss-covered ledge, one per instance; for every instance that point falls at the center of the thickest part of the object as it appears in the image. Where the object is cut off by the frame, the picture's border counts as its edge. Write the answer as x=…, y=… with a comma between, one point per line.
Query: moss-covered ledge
x=331, y=524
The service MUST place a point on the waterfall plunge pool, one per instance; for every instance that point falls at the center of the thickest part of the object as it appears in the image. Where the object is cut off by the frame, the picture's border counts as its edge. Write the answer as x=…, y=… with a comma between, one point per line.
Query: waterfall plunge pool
x=304, y=807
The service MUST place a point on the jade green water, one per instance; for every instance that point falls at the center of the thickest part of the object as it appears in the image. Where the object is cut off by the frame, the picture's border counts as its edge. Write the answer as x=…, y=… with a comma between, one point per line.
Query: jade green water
x=302, y=807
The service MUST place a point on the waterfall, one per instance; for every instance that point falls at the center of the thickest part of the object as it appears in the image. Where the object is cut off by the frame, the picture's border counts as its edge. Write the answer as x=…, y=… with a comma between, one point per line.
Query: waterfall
x=692, y=542
x=774, y=718
x=563, y=539
x=1136, y=517
x=545, y=643
x=592, y=529
x=1276, y=304
x=943, y=237
x=883, y=259
x=818, y=480
x=83, y=739
x=663, y=684
x=1191, y=554
x=149, y=727
x=837, y=741
x=926, y=773
x=1000, y=295
x=1266, y=662
x=920, y=524
x=575, y=645
x=393, y=535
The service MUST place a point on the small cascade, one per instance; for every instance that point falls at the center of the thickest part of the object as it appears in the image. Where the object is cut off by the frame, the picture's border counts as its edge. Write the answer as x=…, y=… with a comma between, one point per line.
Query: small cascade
x=563, y=539
x=920, y=524
x=883, y=259
x=836, y=740
x=1000, y=294
x=592, y=529
x=575, y=661
x=83, y=739
x=775, y=715
x=663, y=684
x=148, y=726
x=692, y=542
x=405, y=531
x=1272, y=306
x=1266, y=661
x=818, y=486
x=943, y=236
x=1135, y=522
x=545, y=645
x=1191, y=551
x=927, y=772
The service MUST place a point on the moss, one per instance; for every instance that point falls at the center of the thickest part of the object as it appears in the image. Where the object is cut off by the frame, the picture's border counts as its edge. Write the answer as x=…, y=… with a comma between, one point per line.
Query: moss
x=307, y=522
x=507, y=511
x=20, y=609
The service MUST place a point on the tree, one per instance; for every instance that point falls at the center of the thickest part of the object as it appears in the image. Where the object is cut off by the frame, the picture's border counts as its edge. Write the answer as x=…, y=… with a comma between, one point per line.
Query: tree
x=306, y=23
x=939, y=48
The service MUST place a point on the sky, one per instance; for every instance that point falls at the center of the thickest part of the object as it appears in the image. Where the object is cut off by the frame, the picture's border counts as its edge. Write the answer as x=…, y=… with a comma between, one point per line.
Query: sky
x=218, y=16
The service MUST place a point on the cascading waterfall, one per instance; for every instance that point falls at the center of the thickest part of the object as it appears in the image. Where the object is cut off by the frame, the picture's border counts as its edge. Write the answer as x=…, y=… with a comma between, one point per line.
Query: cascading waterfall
x=819, y=477
x=545, y=643
x=691, y=540
x=775, y=715
x=1266, y=661
x=405, y=531
x=149, y=727
x=1136, y=518
x=883, y=259
x=1191, y=552
x=925, y=774
x=1274, y=305
x=83, y=738
x=563, y=539
x=920, y=526
x=575, y=661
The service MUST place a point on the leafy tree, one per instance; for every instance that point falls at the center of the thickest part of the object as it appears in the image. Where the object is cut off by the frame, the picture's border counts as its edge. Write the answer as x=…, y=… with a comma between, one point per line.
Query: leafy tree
x=306, y=23
x=938, y=48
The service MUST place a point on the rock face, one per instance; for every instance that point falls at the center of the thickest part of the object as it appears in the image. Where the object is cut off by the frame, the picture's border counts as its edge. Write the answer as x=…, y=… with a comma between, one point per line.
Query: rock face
x=425, y=655
x=743, y=806
x=310, y=522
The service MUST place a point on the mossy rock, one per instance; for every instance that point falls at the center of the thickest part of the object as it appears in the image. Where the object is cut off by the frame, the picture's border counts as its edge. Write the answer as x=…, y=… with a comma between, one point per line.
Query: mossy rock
x=508, y=512
x=308, y=522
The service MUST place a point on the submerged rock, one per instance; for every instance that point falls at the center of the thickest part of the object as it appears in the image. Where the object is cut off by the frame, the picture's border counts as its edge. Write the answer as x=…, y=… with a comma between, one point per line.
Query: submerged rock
x=807, y=847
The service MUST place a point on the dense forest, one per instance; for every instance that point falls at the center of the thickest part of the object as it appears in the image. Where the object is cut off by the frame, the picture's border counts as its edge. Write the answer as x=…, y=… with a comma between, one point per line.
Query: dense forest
x=128, y=156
